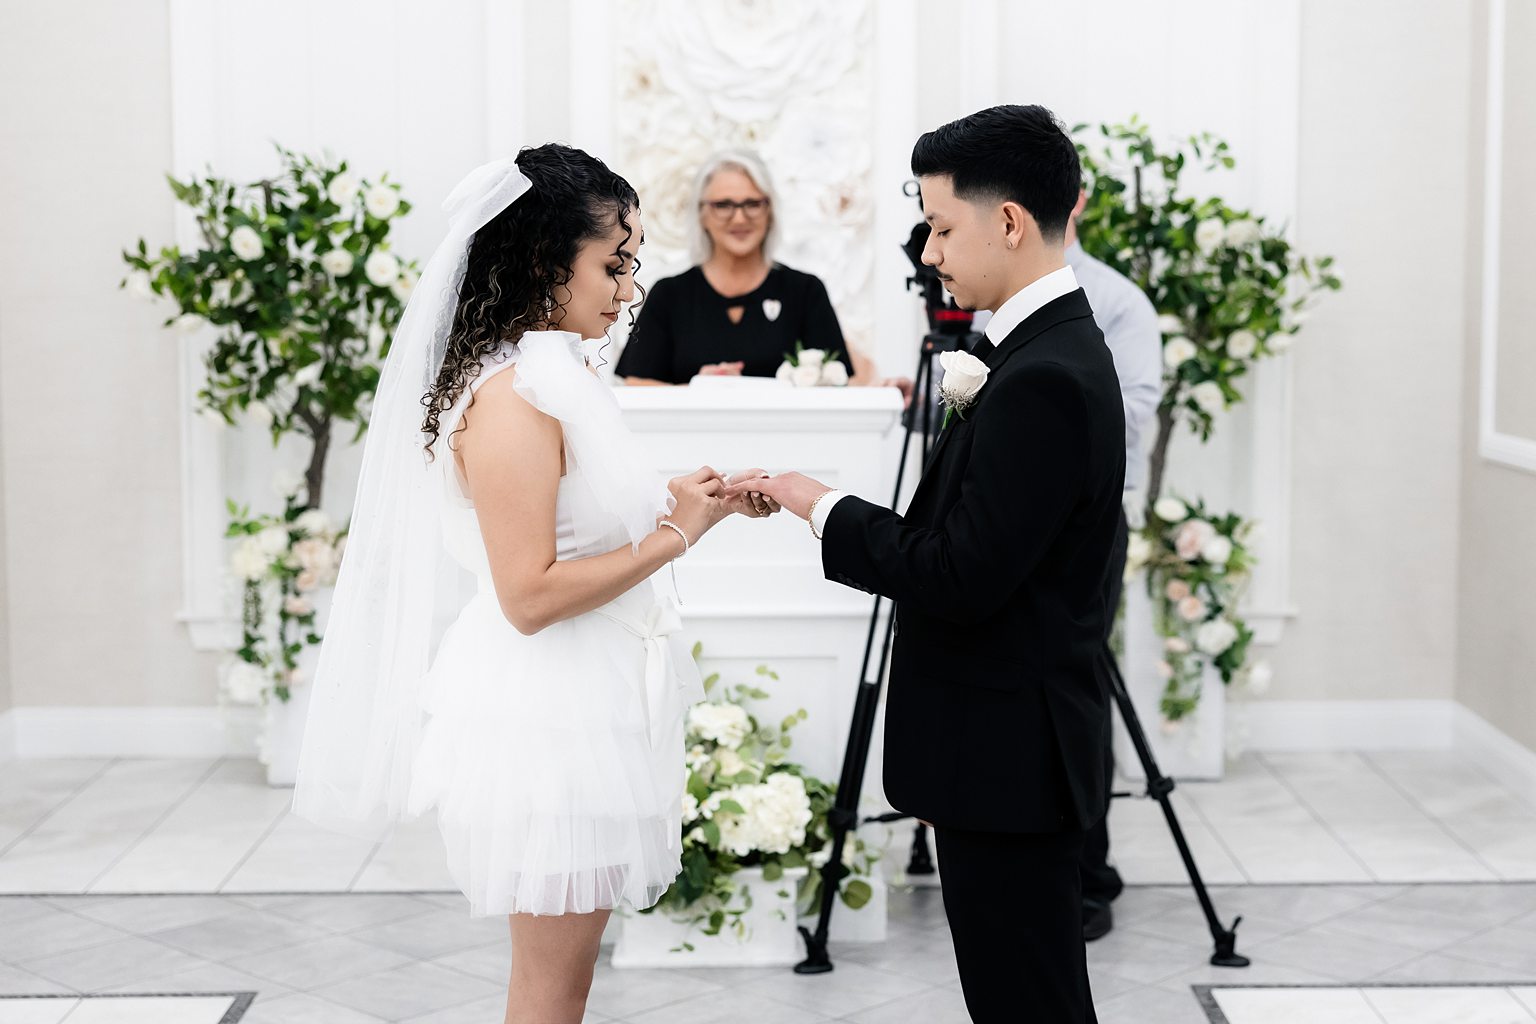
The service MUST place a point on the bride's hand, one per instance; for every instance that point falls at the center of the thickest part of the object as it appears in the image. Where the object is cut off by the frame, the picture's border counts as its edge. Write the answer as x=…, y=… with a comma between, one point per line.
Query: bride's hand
x=753, y=504
x=699, y=502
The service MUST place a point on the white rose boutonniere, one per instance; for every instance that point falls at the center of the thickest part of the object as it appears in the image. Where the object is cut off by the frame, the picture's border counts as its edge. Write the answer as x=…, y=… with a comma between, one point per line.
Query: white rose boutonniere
x=813, y=367
x=964, y=377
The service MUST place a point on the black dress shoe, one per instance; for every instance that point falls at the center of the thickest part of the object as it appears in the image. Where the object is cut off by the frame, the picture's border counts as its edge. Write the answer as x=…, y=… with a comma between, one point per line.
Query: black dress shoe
x=1098, y=920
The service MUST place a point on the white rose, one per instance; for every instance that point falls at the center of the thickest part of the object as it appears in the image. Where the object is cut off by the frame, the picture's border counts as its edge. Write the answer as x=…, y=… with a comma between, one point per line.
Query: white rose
x=1176, y=645
x=212, y=417
x=244, y=293
x=1177, y=351
x=1259, y=678
x=813, y=357
x=1138, y=551
x=964, y=376
x=1242, y=233
x=730, y=762
x=249, y=562
x=382, y=201
x=343, y=188
x=1209, y=234
x=243, y=682
x=1215, y=637
x=309, y=375
x=139, y=286
x=690, y=808
x=307, y=580
x=187, y=323
x=834, y=374
x=1241, y=344
x=1171, y=510
x=805, y=376
x=1191, y=609
x=382, y=268
x=404, y=285
x=786, y=372
x=1170, y=324
x=287, y=481
x=1207, y=395
x=298, y=606
x=259, y=414
x=246, y=243
x=314, y=521
x=1217, y=550
x=1279, y=343
x=337, y=262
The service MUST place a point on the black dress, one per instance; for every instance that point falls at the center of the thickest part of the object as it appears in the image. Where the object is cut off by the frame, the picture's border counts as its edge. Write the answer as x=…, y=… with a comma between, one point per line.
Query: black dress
x=685, y=324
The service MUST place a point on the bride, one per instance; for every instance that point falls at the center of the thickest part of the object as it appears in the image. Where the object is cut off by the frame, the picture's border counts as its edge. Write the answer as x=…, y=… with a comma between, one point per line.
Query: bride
x=547, y=730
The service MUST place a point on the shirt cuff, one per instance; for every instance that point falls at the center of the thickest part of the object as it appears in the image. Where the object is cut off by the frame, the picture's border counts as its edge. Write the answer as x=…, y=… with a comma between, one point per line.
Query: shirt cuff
x=823, y=509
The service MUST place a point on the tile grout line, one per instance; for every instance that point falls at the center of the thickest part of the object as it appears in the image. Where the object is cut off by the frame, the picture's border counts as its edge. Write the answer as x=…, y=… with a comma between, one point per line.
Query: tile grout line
x=56, y=808
x=266, y=833
x=1407, y=795
x=362, y=868
x=1318, y=818
x=155, y=824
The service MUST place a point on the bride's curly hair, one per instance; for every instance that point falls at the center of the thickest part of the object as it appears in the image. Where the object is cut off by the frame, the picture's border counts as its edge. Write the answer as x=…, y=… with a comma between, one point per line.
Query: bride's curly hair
x=521, y=258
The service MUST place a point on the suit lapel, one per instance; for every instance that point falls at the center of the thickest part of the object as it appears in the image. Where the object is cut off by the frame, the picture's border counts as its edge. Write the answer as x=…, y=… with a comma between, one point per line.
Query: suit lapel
x=1071, y=306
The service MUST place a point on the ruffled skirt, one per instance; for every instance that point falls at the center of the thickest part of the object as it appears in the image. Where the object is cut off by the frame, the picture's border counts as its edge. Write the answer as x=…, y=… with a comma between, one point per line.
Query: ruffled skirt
x=555, y=770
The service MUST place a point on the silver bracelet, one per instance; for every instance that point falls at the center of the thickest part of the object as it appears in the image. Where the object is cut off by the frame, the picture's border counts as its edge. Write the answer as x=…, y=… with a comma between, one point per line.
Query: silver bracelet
x=680, y=533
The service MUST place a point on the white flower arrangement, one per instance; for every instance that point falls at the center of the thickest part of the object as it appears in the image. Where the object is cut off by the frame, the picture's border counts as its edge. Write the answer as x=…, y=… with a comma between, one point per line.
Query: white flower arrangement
x=811, y=368
x=280, y=561
x=964, y=377
x=1196, y=565
x=746, y=805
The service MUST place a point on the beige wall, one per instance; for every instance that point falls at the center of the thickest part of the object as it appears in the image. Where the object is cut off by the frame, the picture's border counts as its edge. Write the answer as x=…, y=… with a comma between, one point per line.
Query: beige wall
x=88, y=388
x=1377, y=371
x=1496, y=652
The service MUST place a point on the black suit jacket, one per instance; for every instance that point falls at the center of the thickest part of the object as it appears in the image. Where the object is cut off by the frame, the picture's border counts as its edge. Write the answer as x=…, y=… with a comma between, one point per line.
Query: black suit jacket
x=997, y=710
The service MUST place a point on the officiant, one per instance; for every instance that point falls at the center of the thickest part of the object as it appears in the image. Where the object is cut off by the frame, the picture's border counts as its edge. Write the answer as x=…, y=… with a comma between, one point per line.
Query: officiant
x=736, y=312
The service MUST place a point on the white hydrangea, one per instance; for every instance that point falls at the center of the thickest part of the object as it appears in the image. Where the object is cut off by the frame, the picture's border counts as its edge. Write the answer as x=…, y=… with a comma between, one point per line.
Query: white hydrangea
x=272, y=541
x=243, y=682
x=314, y=521
x=725, y=724
x=774, y=815
x=1177, y=351
x=382, y=201
x=382, y=268
x=1215, y=637
x=1242, y=344
x=249, y=562
x=246, y=243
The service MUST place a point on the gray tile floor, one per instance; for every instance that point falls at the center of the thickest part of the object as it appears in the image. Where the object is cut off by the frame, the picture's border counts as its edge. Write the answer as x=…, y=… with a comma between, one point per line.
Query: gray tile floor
x=1389, y=889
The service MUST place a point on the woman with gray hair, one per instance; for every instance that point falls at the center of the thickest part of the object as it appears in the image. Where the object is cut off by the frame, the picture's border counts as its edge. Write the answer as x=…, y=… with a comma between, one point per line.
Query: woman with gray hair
x=735, y=311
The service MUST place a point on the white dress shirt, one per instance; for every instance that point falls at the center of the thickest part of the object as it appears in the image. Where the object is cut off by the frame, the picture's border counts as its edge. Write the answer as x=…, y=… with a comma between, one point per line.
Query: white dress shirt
x=1009, y=315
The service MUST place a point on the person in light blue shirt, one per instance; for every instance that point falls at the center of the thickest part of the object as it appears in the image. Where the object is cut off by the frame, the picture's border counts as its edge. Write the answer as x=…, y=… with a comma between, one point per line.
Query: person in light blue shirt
x=1129, y=322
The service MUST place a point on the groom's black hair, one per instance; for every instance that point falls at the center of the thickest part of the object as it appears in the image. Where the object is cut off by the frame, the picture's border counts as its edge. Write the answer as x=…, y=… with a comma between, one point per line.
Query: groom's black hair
x=1008, y=153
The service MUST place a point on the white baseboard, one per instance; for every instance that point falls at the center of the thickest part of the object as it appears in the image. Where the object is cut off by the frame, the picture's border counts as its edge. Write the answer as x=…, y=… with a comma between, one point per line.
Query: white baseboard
x=1310, y=725
x=1269, y=725
x=1496, y=752
x=133, y=732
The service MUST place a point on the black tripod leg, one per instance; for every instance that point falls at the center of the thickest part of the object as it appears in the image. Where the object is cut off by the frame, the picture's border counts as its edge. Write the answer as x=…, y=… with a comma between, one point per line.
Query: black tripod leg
x=1159, y=787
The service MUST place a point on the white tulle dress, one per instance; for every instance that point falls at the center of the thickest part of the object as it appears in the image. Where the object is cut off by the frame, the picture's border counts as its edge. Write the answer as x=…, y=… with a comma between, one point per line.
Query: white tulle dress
x=555, y=761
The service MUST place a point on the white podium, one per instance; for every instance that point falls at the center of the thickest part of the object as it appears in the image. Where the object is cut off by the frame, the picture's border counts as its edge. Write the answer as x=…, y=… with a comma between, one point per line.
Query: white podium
x=753, y=591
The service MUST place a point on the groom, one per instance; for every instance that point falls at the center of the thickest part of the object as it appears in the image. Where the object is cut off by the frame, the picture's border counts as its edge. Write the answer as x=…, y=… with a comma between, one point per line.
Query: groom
x=998, y=703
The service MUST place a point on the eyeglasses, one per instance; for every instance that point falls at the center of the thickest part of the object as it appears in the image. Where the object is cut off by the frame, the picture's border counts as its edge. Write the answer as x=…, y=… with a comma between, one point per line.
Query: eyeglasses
x=725, y=209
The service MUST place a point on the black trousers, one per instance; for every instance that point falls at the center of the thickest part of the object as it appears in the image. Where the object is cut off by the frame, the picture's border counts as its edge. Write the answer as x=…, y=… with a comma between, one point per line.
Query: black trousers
x=1101, y=882
x=1015, y=914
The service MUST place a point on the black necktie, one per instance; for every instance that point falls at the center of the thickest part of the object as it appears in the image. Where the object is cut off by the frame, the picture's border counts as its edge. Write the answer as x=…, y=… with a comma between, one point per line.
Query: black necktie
x=983, y=348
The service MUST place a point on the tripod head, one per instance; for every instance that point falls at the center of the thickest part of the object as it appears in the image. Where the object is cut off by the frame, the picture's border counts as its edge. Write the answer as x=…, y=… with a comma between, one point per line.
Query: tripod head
x=944, y=317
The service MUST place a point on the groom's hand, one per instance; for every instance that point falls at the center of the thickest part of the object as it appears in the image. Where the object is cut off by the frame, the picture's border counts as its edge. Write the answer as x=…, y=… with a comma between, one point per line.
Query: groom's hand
x=794, y=491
